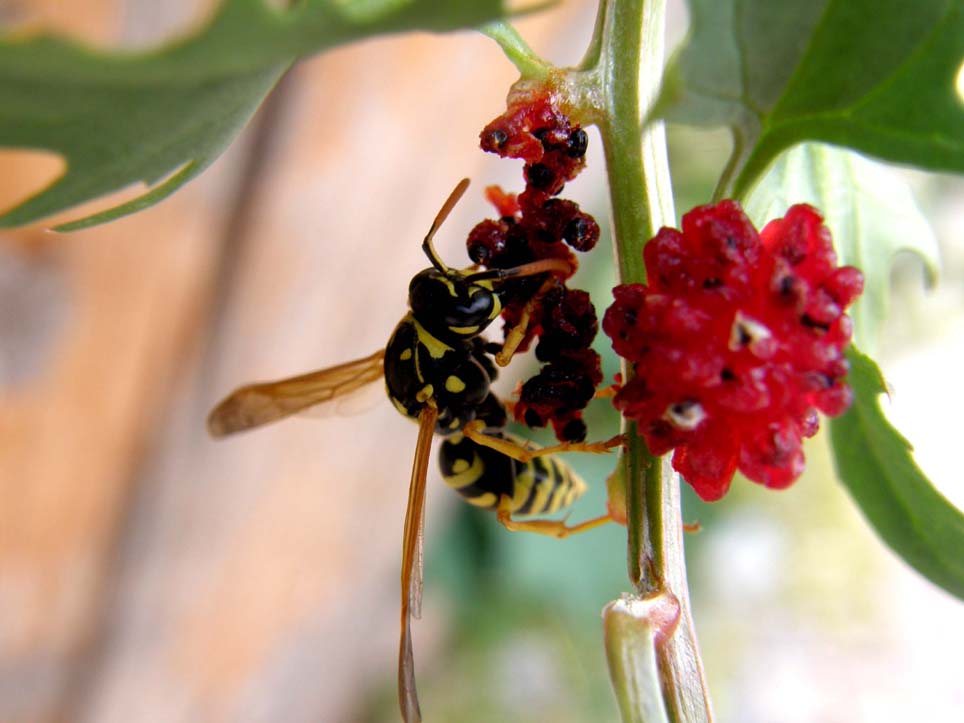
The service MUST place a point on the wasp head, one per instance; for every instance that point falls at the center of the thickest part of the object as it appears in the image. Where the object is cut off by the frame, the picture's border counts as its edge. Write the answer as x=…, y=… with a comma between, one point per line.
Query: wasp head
x=451, y=304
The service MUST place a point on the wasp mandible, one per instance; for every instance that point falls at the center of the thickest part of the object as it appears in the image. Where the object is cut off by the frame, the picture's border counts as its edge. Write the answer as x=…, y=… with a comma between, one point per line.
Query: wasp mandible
x=438, y=371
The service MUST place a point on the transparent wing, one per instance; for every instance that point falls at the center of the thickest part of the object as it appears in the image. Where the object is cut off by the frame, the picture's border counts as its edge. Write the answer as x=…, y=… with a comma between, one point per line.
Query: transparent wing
x=361, y=399
x=255, y=404
x=412, y=564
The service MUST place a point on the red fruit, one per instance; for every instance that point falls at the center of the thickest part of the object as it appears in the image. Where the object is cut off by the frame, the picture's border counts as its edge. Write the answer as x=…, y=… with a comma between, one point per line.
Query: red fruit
x=537, y=225
x=736, y=342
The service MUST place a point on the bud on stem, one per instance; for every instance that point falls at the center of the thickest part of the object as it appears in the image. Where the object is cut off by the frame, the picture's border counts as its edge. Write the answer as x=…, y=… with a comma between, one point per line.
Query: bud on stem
x=634, y=628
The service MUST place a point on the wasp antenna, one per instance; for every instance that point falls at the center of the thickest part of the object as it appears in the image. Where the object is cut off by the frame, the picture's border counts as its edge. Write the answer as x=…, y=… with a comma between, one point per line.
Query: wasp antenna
x=531, y=269
x=443, y=214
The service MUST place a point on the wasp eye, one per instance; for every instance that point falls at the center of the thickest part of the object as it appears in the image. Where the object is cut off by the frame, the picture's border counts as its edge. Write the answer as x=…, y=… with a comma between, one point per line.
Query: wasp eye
x=473, y=312
x=448, y=306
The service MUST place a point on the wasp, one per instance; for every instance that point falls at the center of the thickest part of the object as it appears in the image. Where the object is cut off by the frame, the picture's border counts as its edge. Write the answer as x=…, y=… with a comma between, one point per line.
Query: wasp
x=438, y=371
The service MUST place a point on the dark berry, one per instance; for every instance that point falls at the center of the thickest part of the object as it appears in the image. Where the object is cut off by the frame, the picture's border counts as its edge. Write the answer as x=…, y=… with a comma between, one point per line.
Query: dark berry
x=573, y=430
x=581, y=232
x=535, y=225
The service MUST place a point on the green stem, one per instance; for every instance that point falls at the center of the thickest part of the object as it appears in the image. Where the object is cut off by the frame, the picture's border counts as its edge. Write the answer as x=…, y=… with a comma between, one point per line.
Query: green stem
x=516, y=49
x=628, y=44
x=641, y=198
x=639, y=205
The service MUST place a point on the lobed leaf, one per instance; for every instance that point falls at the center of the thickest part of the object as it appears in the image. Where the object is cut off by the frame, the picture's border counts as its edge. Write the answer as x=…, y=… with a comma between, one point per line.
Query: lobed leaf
x=875, y=464
x=874, y=75
x=120, y=118
x=869, y=209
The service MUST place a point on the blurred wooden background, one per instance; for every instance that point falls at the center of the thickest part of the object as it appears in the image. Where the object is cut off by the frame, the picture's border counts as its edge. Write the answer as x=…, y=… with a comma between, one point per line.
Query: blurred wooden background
x=146, y=572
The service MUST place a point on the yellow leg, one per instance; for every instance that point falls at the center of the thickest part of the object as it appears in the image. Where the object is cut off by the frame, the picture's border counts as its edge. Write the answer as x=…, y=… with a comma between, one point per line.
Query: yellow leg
x=474, y=431
x=517, y=333
x=606, y=392
x=514, y=337
x=551, y=528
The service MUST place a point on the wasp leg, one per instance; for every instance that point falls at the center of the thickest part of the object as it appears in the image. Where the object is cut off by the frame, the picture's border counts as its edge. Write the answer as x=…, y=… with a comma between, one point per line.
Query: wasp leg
x=475, y=431
x=517, y=333
x=550, y=528
x=606, y=392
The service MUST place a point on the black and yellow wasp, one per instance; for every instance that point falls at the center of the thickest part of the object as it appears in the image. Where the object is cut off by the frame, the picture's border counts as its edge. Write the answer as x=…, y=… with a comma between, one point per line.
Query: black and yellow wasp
x=438, y=370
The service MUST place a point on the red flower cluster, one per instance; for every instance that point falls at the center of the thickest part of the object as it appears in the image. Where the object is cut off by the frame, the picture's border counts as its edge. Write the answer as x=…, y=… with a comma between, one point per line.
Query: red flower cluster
x=736, y=341
x=537, y=225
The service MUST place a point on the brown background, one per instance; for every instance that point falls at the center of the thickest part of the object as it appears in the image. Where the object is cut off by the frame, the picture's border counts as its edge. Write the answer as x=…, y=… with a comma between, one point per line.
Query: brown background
x=150, y=574
x=147, y=573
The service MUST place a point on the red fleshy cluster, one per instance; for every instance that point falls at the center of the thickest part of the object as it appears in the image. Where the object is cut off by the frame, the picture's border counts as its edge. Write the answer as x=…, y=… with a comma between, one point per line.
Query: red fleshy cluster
x=536, y=225
x=736, y=341
x=567, y=381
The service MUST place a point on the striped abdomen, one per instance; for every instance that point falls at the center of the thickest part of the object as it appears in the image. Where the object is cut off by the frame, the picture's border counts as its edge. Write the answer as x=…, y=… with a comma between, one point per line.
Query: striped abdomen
x=543, y=485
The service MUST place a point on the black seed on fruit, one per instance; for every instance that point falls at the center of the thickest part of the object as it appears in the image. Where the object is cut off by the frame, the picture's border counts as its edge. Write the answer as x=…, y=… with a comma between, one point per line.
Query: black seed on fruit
x=712, y=283
x=577, y=144
x=541, y=134
x=479, y=254
x=498, y=138
x=575, y=230
x=539, y=175
x=812, y=323
x=787, y=285
x=727, y=375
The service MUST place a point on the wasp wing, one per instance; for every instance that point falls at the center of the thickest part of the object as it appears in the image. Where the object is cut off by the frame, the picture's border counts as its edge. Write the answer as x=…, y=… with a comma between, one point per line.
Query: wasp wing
x=255, y=404
x=412, y=564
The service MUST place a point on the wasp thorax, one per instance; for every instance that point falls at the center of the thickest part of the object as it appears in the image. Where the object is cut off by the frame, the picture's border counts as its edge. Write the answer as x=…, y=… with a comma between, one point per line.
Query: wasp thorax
x=452, y=305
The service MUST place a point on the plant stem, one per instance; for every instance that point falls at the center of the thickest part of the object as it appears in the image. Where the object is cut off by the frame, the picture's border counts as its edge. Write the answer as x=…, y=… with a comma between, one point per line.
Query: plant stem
x=631, y=47
x=516, y=49
x=651, y=645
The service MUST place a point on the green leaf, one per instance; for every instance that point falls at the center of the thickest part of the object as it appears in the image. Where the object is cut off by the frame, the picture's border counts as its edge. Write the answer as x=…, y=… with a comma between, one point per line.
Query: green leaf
x=869, y=209
x=875, y=464
x=874, y=75
x=120, y=118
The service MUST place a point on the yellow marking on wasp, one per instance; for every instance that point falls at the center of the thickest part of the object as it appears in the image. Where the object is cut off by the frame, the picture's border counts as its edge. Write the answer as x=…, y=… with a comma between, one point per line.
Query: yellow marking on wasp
x=524, y=480
x=560, y=496
x=400, y=407
x=496, y=301
x=405, y=355
x=454, y=385
x=448, y=284
x=436, y=349
x=544, y=489
x=469, y=474
x=466, y=330
x=496, y=306
x=455, y=424
x=486, y=500
x=425, y=393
